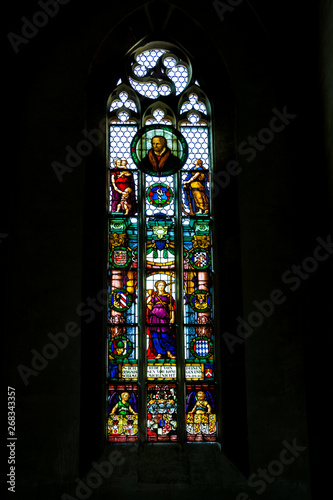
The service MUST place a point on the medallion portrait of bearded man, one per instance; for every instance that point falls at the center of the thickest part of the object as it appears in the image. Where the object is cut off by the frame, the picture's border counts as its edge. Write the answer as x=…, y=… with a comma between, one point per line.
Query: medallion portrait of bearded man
x=160, y=159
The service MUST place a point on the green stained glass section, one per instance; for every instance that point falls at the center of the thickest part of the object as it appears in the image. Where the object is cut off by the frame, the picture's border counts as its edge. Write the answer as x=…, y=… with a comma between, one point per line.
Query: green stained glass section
x=159, y=150
x=160, y=243
x=122, y=413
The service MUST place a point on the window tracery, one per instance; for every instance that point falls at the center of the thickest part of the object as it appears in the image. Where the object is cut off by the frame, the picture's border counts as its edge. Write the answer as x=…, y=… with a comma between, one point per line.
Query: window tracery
x=161, y=301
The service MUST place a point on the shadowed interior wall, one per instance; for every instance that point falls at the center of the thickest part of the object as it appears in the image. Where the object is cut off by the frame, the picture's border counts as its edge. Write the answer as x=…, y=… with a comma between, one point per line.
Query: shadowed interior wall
x=256, y=63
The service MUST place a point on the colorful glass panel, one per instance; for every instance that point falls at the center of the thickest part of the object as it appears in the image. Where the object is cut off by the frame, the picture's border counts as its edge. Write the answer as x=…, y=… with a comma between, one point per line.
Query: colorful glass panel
x=122, y=413
x=161, y=305
x=122, y=329
x=160, y=251
x=162, y=412
x=201, y=419
x=159, y=150
x=160, y=196
x=198, y=293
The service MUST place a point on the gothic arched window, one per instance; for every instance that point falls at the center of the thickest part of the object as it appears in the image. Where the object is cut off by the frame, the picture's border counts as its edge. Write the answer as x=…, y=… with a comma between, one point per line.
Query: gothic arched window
x=161, y=377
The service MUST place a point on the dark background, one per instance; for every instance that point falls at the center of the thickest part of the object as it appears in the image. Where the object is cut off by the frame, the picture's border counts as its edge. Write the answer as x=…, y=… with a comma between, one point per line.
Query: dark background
x=277, y=387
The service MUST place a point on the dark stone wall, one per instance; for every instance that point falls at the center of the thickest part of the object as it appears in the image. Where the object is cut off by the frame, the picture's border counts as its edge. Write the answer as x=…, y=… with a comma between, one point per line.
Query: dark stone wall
x=262, y=60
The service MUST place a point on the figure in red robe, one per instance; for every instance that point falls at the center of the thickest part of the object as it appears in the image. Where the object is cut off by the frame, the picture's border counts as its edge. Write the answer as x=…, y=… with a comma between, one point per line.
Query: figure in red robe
x=159, y=159
x=123, y=189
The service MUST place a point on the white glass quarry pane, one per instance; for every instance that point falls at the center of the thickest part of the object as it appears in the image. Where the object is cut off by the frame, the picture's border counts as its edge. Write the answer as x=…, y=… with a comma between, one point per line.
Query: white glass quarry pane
x=120, y=143
x=123, y=101
x=169, y=62
x=178, y=74
x=198, y=142
x=158, y=114
x=193, y=103
x=147, y=89
x=149, y=58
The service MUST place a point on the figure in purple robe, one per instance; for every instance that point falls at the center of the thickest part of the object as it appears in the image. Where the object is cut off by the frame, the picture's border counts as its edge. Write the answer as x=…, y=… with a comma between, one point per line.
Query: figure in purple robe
x=161, y=317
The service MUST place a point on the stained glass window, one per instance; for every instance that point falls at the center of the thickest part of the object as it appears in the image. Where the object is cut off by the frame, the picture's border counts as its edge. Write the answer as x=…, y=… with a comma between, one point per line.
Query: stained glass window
x=160, y=331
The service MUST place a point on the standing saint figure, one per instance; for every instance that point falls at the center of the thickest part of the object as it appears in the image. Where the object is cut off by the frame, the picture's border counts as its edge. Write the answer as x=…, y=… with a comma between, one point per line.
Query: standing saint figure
x=161, y=316
x=196, y=192
x=123, y=189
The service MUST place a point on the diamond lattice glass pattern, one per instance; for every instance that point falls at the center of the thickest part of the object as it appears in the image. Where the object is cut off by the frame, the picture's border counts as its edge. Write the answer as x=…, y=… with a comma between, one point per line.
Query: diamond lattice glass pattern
x=194, y=104
x=198, y=142
x=120, y=143
x=123, y=101
x=145, y=64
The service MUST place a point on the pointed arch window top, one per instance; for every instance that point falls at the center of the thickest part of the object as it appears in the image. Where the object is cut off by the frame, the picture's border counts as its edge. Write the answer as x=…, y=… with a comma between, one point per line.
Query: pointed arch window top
x=123, y=105
x=193, y=103
x=159, y=117
x=158, y=114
